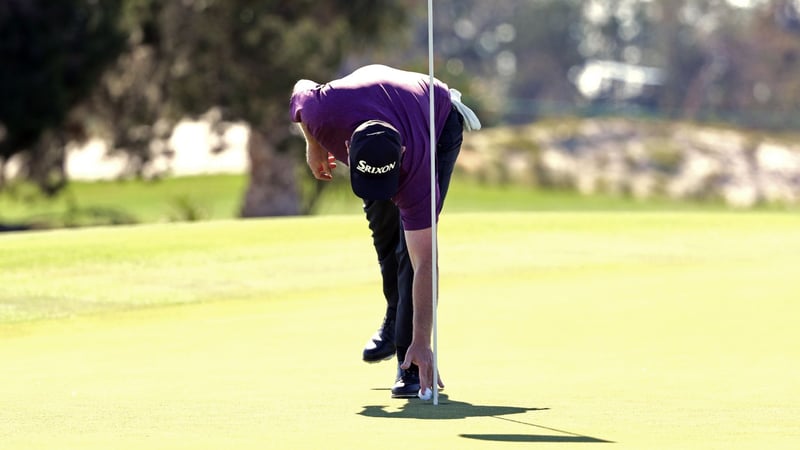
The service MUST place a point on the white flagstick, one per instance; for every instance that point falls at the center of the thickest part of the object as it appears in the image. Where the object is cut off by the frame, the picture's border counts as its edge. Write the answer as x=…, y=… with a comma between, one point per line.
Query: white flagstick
x=434, y=260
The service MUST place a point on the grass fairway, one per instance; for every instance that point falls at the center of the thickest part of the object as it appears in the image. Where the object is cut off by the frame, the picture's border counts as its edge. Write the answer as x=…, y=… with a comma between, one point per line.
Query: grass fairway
x=627, y=330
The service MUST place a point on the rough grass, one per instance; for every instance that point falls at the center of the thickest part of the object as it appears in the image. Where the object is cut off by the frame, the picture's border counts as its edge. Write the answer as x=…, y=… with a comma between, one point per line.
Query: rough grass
x=126, y=202
x=219, y=197
x=648, y=330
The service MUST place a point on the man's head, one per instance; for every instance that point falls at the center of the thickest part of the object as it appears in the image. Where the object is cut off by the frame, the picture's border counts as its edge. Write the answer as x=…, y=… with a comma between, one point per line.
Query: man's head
x=375, y=151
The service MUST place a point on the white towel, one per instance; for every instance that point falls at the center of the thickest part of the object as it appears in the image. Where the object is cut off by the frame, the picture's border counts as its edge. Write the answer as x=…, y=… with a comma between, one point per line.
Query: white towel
x=471, y=122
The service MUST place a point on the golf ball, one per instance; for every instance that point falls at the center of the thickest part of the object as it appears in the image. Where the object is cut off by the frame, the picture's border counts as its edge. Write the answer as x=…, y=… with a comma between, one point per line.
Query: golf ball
x=425, y=395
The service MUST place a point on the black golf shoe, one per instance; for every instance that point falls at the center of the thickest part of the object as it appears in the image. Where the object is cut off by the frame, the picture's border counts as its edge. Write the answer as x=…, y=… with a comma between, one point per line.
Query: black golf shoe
x=407, y=384
x=380, y=346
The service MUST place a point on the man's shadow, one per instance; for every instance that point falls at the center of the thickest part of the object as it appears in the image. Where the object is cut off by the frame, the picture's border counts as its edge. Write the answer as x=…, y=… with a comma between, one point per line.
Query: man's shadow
x=454, y=410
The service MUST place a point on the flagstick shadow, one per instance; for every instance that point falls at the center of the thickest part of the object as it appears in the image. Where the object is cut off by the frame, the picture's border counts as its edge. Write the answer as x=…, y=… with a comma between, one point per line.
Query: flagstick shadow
x=455, y=410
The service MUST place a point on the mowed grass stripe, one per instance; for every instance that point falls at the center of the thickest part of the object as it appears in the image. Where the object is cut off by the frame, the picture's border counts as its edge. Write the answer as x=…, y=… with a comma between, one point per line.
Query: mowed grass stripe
x=649, y=330
x=69, y=272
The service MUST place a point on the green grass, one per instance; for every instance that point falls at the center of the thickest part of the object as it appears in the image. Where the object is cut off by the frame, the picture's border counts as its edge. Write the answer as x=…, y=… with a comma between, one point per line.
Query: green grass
x=218, y=197
x=471, y=196
x=672, y=330
x=128, y=201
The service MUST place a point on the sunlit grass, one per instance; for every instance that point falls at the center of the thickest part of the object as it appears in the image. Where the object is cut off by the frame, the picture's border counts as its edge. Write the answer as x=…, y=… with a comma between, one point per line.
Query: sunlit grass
x=220, y=197
x=646, y=329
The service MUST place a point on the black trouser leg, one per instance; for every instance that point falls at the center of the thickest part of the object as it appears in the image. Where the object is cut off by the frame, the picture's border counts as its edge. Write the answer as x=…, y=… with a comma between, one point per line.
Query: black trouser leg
x=384, y=222
x=405, y=308
x=447, y=150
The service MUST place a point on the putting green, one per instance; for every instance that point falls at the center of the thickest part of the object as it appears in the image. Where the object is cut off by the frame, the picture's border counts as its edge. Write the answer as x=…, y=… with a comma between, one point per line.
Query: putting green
x=647, y=330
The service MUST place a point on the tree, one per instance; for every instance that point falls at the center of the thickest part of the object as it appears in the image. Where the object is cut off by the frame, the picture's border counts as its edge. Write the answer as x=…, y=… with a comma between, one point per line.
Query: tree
x=241, y=57
x=546, y=48
x=730, y=64
x=52, y=54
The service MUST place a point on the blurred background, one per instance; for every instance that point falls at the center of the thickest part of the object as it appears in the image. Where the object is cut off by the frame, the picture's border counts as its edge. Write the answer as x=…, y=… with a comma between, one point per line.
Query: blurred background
x=129, y=111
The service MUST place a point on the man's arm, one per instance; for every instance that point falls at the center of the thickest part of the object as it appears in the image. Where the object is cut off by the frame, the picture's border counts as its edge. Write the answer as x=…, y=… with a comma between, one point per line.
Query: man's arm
x=420, y=353
x=318, y=159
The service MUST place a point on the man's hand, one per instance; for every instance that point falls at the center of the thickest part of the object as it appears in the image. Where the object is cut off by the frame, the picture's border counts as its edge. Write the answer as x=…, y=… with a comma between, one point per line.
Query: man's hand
x=322, y=169
x=422, y=356
x=320, y=161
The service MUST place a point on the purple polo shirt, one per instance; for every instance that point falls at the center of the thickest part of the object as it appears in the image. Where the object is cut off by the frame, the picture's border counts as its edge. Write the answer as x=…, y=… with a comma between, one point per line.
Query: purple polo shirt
x=332, y=111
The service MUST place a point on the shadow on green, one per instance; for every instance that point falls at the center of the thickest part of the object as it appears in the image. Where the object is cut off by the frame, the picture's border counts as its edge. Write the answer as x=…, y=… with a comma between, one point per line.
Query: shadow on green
x=453, y=410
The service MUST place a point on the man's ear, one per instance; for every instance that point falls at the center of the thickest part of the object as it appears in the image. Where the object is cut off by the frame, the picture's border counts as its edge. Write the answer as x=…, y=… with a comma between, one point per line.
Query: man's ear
x=402, y=149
